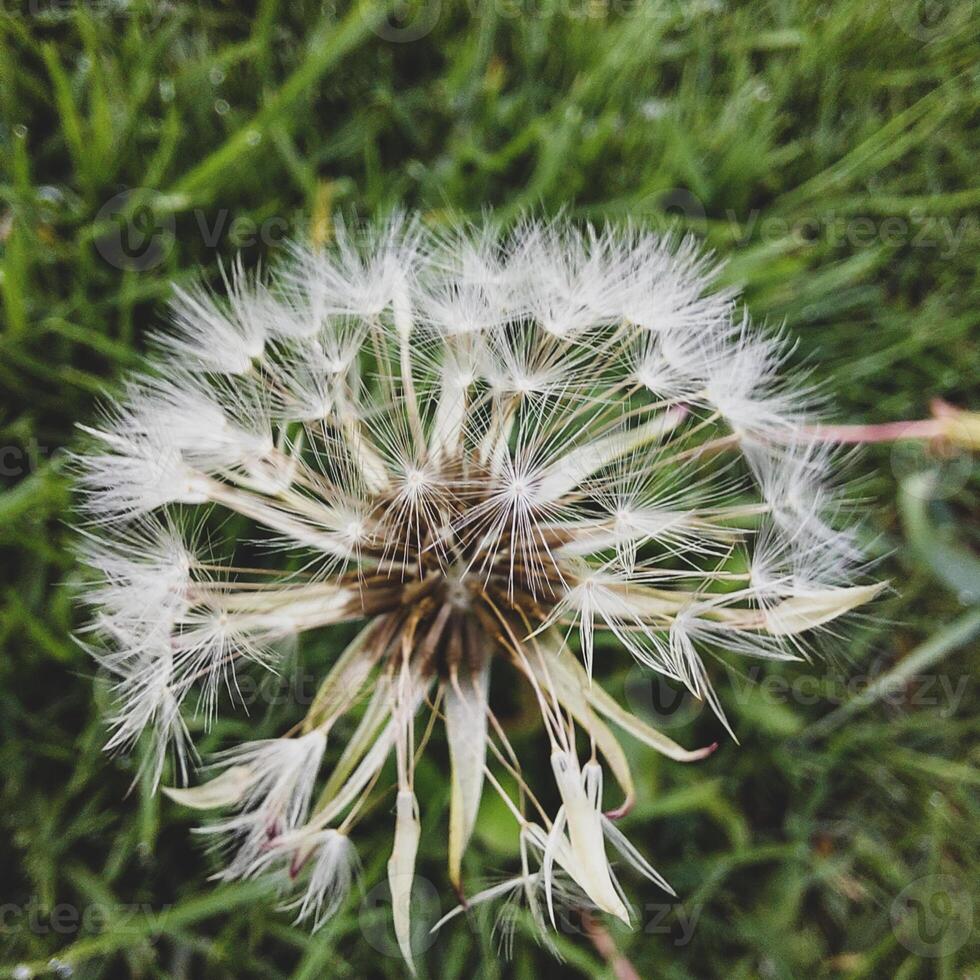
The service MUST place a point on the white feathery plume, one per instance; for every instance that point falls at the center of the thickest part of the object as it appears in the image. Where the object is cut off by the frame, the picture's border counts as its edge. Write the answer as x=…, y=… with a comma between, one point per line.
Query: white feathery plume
x=225, y=337
x=333, y=867
x=484, y=446
x=145, y=573
x=275, y=780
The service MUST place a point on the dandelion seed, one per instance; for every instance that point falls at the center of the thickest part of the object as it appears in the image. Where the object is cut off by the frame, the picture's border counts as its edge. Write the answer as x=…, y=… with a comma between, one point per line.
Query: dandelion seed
x=492, y=451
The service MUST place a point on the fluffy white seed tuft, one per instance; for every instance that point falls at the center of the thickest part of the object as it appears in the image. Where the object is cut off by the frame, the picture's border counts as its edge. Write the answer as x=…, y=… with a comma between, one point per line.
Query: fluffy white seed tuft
x=505, y=454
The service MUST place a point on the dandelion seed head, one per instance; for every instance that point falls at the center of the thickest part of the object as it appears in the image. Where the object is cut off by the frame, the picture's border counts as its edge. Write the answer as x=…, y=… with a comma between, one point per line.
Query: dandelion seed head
x=492, y=450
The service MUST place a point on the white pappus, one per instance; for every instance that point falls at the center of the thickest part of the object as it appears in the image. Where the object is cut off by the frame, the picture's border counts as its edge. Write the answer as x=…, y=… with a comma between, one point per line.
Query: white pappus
x=502, y=453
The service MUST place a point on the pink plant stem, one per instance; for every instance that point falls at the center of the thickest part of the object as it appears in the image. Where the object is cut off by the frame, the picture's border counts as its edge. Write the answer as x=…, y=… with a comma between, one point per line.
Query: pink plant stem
x=607, y=949
x=882, y=432
x=935, y=428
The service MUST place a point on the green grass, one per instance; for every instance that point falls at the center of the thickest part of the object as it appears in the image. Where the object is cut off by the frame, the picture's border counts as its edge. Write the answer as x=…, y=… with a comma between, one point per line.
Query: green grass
x=827, y=150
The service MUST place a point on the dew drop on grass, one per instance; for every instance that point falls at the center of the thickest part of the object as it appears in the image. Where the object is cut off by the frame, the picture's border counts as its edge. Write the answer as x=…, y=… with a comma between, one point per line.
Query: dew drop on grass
x=654, y=108
x=50, y=194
